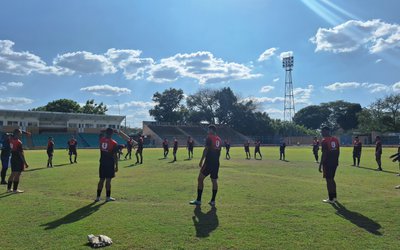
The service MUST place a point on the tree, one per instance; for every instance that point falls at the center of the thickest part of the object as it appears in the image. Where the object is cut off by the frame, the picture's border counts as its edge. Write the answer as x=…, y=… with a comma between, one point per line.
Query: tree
x=168, y=107
x=312, y=116
x=93, y=108
x=343, y=114
x=391, y=105
x=227, y=101
x=203, y=105
x=61, y=105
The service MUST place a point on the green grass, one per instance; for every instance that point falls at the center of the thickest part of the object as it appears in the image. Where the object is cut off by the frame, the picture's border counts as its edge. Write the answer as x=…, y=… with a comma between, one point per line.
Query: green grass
x=268, y=204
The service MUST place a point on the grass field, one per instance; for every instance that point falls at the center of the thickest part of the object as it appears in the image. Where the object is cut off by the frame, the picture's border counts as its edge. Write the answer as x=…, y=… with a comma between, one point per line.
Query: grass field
x=268, y=204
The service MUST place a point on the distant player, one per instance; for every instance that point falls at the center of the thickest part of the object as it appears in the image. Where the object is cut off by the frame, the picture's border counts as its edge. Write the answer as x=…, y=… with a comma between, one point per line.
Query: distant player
x=165, y=147
x=120, y=152
x=257, y=149
x=5, y=157
x=315, y=148
x=227, y=148
x=108, y=164
x=357, y=147
x=18, y=162
x=50, y=152
x=282, y=148
x=210, y=158
x=190, y=146
x=72, y=145
x=139, y=150
x=129, y=146
x=175, y=148
x=378, y=152
x=247, y=150
x=396, y=158
x=329, y=163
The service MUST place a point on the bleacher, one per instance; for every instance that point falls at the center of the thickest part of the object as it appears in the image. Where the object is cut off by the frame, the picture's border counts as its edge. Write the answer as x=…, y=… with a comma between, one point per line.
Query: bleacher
x=170, y=132
x=197, y=132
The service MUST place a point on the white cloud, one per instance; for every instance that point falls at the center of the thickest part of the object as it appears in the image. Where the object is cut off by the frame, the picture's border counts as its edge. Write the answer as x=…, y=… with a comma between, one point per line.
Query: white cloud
x=374, y=35
x=375, y=87
x=342, y=85
x=276, y=79
x=85, y=62
x=371, y=87
x=267, y=54
x=264, y=99
x=303, y=95
x=273, y=111
x=396, y=87
x=15, y=101
x=135, y=104
x=286, y=54
x=23, y=63
x=3, y=88
x=15, y=84
x=106, y=90
x=378, y=60
x=130, y=62
x=201, y=66
x=266, y=88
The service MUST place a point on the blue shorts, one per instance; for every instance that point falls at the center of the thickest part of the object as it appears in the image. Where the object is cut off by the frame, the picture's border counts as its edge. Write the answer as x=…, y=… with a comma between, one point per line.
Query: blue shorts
x=5, y=161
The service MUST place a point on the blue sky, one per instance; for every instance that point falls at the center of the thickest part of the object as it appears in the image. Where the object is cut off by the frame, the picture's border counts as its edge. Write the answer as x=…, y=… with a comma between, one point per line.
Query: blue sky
x=124, y=51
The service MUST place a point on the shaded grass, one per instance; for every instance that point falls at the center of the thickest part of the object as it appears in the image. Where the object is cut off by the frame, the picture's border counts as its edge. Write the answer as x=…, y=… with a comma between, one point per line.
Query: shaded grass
x=260, y=204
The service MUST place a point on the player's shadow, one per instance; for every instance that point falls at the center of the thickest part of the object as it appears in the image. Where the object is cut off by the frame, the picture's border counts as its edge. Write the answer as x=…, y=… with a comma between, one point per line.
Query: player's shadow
x=358, y=219
x=172, y=161
x=205, y=223
x=373, y=169
x=5, y=194
x=75, y=216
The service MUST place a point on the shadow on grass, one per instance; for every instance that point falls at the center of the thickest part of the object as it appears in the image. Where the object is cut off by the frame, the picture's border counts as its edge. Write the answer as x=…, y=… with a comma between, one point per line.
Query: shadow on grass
x=75, y=216
x=205, y=223
x=188, y=159
x=132, y=165
x=358, y=219
x=373, y=169
x=54, y=166
x=172, y=161
x=5, y=194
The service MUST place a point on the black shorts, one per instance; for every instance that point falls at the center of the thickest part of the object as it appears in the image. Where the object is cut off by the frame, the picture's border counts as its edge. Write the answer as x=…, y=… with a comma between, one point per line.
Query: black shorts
x=166, y=149
x=190, y=149
x=329, y=171
x=175, y=150
x=357, y=154
x=210, y=168
x=16, y=165
x=139, y=150
x=72, y=151
x=315, y=152
x=257, y=150
x=106, y=171
x=378, y=157
x=247, y=150
x=50, y=153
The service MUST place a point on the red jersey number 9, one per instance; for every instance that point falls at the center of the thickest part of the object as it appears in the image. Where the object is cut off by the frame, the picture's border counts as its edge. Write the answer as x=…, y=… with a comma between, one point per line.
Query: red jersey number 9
x=333, y=145
x=217, y=144
x=104, y=145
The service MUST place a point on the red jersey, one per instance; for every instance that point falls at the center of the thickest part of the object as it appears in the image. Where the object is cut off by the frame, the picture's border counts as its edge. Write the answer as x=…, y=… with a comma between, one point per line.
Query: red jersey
x=165, y=144
x=50, y=146
x=16, y=146
x=175, y=144
x=330, y=148
x=378, y=147
x=357, y=146
x=315, y=145
x=140, y=143
x=130, y=143
x=72, y=143
x=108, y=147
x=213, y=145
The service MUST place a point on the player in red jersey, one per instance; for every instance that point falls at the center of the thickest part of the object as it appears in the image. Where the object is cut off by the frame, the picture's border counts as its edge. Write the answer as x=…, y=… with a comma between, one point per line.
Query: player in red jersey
x=357, y=147
x=190, y=146
x=50, y=152
x=257, y=149
x=72, y=144
x=378, y=152
x=175, y=149
x=108, y=163
x=210, y=158
x=247, y=149
x=18, y=162
x=129, y=146
x=329, y=163
x=139, y=150
x=315, y=148
x=165, y=147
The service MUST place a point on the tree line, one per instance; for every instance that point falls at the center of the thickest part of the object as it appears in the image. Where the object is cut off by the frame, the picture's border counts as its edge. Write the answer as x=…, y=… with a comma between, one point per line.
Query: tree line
x=223, y=106
x=71, y=106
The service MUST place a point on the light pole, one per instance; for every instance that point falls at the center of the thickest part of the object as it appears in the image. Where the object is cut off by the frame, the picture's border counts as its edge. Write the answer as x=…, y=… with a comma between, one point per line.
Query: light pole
x=288, y=109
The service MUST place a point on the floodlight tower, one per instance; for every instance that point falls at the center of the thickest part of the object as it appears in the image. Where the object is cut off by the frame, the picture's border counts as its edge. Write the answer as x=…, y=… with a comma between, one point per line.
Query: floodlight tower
x=288, y=109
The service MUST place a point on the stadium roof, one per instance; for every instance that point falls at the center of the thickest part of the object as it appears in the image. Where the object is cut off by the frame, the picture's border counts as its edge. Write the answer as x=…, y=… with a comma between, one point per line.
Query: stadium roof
x=45, y=115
